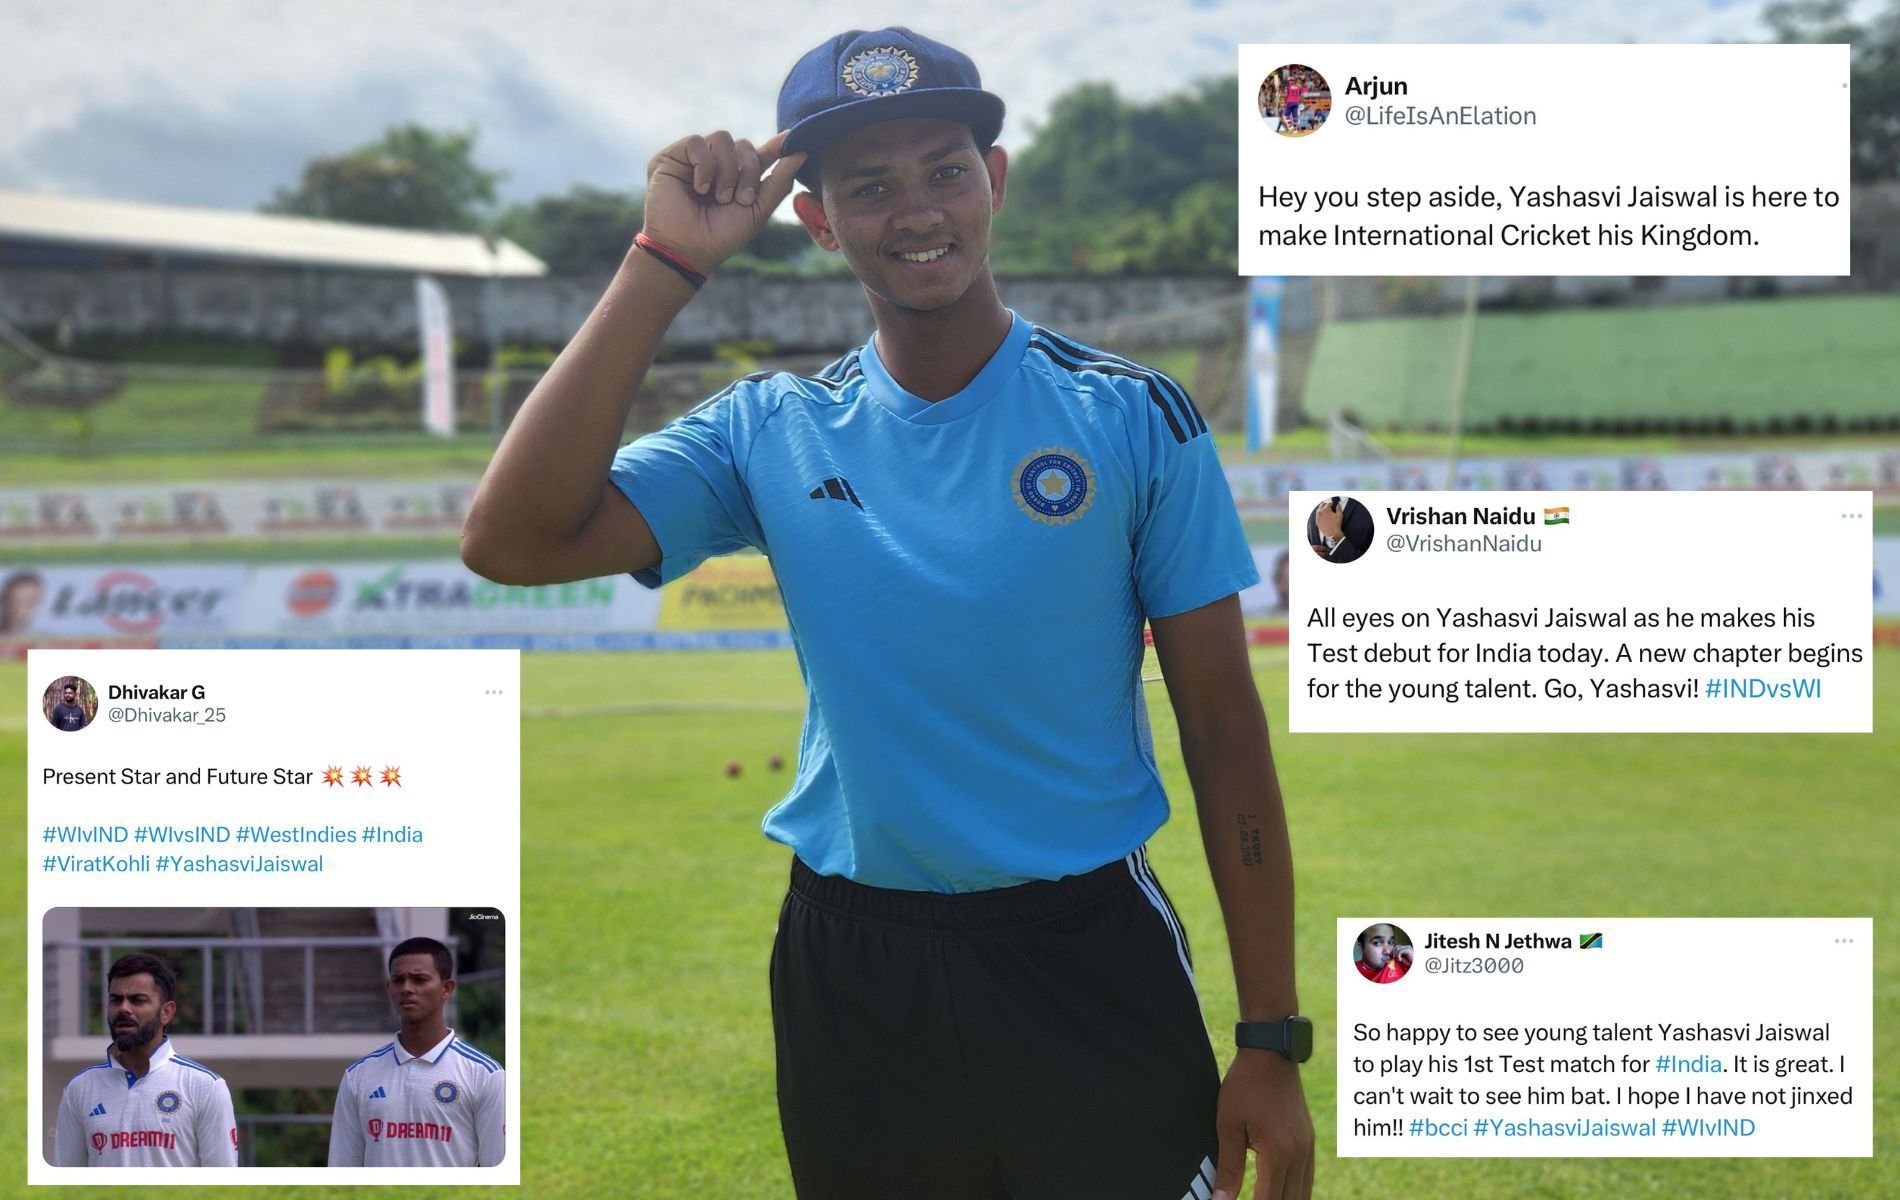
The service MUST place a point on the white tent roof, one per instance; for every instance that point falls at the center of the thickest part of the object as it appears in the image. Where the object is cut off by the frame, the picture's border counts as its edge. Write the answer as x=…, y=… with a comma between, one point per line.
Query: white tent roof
x=224, y=233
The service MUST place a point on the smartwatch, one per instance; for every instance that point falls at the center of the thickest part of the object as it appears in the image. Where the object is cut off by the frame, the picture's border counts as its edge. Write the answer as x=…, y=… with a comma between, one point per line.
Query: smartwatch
x=1292, y=1038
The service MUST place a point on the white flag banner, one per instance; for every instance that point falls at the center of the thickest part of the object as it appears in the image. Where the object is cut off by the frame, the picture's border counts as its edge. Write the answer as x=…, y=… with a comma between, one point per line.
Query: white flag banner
x=1263, y=357
x=438, y=358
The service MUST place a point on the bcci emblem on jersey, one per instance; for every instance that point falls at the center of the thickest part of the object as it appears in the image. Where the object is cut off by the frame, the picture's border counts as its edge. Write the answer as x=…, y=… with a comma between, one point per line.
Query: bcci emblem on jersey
x=446, y=1092
x=168, y=1102
x=1054, y=486
x=884, y=71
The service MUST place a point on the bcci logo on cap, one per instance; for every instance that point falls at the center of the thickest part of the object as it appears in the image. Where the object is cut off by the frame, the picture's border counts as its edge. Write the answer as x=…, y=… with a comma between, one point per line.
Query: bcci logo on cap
x=168, y=1102
x=1054, y=486
x=884, y=71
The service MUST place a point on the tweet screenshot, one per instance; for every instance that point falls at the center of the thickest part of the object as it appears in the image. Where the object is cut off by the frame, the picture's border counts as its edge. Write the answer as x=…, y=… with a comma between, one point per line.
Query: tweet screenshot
x=1533, y=160
x=1598, y=612
x=1576, y=1037
x=270, y=906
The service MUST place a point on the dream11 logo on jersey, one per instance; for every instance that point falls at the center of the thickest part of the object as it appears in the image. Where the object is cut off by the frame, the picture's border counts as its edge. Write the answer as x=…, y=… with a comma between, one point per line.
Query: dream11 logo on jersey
x=136, y=1139
x=397, y=1131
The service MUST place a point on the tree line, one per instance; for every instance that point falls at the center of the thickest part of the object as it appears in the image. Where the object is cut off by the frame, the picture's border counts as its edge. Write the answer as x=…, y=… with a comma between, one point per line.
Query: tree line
x=1104, y=185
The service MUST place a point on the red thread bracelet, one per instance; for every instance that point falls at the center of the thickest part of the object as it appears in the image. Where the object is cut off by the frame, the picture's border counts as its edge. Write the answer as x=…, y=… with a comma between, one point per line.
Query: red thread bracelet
x=684, y=269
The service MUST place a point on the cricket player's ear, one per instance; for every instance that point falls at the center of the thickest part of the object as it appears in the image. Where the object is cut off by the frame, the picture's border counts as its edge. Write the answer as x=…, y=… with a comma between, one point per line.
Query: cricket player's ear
x=166, y=1012
x=448, y=989
x=996, y=161
x=811, y=211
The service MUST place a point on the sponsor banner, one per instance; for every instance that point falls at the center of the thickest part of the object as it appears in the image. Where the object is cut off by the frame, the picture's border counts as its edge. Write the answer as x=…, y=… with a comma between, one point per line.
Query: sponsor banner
x=431, y=599
x=1261, y=488
x=725, y=593
x=67, y=515
x=222, y=512
x=726, y=604
x=84, y=604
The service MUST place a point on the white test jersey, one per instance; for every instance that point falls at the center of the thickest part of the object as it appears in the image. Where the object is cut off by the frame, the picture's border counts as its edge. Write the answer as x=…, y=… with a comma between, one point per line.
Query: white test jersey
x=177, y=1114
x=441, y=1108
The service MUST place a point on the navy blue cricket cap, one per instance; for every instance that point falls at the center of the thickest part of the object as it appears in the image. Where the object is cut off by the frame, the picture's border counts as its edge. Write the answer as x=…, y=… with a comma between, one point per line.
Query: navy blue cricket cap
x=858, y=79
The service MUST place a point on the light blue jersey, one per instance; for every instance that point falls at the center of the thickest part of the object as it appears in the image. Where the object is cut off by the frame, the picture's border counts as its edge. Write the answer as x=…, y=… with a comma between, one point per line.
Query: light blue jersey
x=966, y=583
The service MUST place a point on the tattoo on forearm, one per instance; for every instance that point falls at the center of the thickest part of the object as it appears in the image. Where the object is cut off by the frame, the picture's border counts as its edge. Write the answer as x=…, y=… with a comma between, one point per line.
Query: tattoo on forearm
x=1249, y=839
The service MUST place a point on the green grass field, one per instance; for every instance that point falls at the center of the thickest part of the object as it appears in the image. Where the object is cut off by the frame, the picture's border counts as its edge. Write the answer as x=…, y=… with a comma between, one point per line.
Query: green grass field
x=1747, y=360
x=649, y=901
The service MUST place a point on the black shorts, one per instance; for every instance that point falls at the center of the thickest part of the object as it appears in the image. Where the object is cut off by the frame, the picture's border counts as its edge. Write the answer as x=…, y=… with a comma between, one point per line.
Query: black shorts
x=1040, y=1042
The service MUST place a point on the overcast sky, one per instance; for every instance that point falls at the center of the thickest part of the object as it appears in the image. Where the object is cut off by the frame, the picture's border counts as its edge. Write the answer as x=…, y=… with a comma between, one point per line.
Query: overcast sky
x=218, y=102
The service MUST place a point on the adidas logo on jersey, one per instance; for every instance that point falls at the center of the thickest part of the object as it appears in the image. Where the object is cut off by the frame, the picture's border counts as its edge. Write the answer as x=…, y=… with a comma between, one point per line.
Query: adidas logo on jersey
x=379, y=1094
x=98, y=1110
x=837, y=489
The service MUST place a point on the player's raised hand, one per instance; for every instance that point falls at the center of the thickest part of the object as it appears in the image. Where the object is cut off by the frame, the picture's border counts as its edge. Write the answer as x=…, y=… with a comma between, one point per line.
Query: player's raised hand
x=707, y=196
x=1263, y=1107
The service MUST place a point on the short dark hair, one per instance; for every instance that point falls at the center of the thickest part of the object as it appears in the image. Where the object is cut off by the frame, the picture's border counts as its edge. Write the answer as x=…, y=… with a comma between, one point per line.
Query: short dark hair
x=145, y=964
x=444, y=961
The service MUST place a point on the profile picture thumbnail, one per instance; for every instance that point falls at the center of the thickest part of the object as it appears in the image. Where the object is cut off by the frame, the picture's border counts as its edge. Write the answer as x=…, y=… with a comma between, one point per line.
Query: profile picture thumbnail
x=69, y=703
x=1383, y=953
x=1295, y=100
x=1339, y=529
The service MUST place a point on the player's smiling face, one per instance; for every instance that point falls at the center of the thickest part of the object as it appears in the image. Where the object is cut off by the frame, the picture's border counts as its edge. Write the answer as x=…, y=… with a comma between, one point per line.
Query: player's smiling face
x=417, y=989
x=136, y=1011
x=909, y=204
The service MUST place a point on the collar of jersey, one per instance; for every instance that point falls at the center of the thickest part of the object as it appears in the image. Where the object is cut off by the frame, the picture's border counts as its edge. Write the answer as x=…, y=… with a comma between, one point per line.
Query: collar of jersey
x=431, y=1055
x=978, y=392
x=160, y=1057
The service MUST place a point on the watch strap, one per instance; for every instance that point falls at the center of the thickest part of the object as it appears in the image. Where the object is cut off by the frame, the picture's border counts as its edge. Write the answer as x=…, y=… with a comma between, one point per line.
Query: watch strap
x=1291, y=1038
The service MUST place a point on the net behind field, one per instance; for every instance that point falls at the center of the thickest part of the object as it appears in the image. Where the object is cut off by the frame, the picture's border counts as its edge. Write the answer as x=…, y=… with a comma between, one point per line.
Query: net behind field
x=1199, y=346
x=185, y=396
x=1387, y=354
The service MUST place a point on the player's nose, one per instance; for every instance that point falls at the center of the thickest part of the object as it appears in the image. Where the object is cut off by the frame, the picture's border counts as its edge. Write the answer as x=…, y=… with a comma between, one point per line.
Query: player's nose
x=918, y=212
